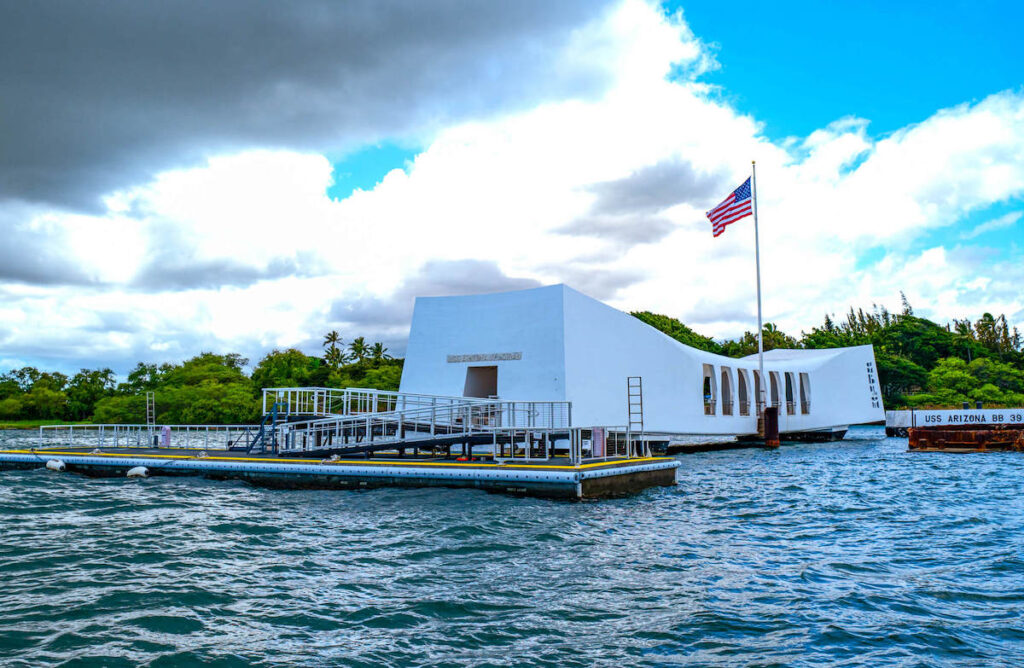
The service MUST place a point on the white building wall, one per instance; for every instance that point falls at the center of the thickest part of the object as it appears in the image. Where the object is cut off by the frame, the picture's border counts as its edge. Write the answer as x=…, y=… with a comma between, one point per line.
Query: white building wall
x=603, y=347
x=526, y=322
x=844, y=385
x=575, y=348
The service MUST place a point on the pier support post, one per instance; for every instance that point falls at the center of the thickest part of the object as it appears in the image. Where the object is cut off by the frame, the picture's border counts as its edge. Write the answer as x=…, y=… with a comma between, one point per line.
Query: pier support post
x=771, y=427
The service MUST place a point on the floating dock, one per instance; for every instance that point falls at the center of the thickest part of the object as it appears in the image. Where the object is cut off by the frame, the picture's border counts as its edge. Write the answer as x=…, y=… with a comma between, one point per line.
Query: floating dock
x=322, y=438
x=552, y=478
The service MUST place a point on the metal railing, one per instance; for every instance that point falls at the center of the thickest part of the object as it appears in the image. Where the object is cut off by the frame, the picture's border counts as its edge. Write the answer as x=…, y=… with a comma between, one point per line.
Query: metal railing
x=183, y=436
x=408, y=427
x=329, y=401
x=790, y=408
x=726, y=407
x=744, y=408
x=805, y=407
x=709, y=407
x=579, y=445
x=512, y=445
x=604, y=443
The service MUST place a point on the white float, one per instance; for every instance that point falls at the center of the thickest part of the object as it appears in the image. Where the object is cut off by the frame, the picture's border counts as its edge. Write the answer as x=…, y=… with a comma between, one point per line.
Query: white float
x=55, y=465
x=138, y=472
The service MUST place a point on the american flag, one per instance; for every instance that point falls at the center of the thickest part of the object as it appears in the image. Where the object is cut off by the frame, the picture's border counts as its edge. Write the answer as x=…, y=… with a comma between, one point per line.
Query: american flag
x=732, y=208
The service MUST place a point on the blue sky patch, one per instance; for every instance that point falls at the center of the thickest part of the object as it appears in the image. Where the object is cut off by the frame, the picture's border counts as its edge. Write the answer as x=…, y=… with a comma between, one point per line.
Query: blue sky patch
x=800, y=66
x=365, y=168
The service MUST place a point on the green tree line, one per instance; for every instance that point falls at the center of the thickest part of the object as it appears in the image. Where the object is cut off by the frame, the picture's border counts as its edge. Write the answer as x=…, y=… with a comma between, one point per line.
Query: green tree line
x=206, y=389
x=920, y=363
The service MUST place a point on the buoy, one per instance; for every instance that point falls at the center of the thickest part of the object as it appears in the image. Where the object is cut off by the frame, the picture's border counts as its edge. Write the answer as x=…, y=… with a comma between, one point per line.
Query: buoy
x=138, y=472
x=55, y=465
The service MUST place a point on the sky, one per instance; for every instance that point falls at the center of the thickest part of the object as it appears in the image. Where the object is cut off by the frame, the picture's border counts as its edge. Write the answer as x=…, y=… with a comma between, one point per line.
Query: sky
x=229, y=177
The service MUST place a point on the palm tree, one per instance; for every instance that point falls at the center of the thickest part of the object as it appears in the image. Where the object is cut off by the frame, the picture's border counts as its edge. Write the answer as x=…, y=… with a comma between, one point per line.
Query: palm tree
x=379, y=353
x=332, y=338
x=359, y=348
x=335, y=357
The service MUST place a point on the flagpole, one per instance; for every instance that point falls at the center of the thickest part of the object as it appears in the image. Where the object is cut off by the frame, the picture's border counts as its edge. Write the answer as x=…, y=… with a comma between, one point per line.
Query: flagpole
x=757, y=262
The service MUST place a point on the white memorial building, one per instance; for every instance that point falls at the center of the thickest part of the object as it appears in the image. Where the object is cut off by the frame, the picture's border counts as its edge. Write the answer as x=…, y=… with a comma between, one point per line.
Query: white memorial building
x=556, y=344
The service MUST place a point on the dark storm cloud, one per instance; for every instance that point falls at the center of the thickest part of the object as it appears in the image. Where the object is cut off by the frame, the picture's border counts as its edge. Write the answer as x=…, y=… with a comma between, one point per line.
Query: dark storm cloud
x=171, y=272
x=624, y=210
x=101, y=95
x=69, y=350
x=656, y=187
x=30, y=258
x=112, y=321
x=705, y=311
x=629, y=230
x=597, y=281
x=462, y=277
x=435, y=278
x=34, y=255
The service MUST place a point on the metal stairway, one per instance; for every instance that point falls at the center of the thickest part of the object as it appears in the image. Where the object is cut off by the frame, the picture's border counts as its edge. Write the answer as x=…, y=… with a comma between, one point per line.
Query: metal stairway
x=265, y=438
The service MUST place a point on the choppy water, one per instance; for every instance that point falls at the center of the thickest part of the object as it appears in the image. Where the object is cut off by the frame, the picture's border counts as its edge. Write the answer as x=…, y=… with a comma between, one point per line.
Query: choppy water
x=839, y=554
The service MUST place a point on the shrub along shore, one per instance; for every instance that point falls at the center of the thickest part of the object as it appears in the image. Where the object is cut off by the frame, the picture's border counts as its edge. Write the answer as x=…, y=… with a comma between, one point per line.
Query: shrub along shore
x=206, y=389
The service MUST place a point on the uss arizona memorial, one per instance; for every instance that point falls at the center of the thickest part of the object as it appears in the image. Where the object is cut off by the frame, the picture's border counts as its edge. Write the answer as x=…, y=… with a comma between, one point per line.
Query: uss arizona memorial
x=561, y=395
x=556, y=344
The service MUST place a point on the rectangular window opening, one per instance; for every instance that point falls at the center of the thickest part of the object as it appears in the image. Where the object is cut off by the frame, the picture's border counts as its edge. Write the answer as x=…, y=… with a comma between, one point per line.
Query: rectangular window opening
x=481, y=381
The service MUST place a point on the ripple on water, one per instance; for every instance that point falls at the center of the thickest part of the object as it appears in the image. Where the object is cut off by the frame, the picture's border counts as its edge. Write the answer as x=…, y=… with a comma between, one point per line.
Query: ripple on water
x=847, y=554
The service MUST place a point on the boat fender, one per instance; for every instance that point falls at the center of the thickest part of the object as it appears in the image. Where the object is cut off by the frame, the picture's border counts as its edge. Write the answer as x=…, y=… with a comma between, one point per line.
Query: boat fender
x=201, y=455
x=138, y=472
x=55, y=465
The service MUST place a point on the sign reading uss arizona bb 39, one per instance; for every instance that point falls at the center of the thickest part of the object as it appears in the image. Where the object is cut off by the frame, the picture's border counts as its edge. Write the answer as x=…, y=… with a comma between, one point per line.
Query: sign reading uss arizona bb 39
x=968, y=416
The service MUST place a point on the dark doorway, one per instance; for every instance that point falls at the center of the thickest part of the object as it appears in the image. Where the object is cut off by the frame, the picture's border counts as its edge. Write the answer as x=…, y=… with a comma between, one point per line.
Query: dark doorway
x=481, y=381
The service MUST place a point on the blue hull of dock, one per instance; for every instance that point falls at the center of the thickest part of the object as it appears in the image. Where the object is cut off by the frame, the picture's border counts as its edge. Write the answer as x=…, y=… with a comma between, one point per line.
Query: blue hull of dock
x=595, y=480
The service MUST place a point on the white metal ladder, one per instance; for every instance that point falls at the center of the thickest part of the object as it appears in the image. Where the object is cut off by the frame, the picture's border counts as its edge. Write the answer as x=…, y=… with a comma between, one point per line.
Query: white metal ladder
x=635, y=410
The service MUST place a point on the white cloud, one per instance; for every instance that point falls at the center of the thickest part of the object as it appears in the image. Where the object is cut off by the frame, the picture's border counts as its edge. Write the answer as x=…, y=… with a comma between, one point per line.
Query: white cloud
x=1000, y=223
x=505, y=190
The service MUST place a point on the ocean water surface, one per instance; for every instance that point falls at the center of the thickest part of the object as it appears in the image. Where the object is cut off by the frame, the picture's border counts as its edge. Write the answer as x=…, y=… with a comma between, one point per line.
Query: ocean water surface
x=845, y=554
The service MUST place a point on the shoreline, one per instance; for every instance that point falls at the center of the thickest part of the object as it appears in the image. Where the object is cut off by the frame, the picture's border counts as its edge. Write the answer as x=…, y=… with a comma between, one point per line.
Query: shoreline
x=24, y=425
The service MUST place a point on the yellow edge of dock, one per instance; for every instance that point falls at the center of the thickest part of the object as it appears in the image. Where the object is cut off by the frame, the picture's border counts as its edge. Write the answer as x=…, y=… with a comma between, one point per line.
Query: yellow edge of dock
x=360, y=462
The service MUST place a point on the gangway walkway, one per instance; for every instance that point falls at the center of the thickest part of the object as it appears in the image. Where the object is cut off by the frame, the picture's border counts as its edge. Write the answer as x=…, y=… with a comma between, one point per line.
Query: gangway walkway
x=326, y=422
x=307, y=402
x=433, y=424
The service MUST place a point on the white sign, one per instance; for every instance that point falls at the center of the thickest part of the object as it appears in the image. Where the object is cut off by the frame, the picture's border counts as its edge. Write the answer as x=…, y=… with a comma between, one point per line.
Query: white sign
x=967, y=416
x=485, y=357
